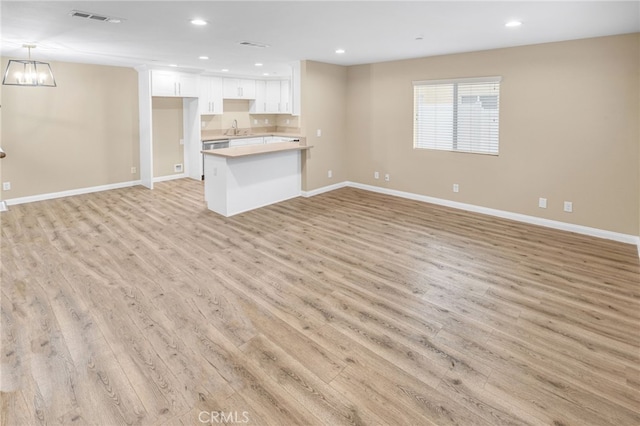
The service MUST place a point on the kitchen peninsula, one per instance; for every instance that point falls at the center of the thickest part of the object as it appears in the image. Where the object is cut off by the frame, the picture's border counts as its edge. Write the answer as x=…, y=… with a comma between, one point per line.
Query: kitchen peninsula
x=242, y=178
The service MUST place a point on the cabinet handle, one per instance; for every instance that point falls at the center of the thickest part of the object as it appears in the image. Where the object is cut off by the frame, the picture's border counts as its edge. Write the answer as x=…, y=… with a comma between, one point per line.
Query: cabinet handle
x=240, y=91
x=175, y=88
x=179, y=88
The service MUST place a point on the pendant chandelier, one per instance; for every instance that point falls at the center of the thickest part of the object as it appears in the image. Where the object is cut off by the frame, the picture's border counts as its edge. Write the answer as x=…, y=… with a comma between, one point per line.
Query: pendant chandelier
x=28, y=72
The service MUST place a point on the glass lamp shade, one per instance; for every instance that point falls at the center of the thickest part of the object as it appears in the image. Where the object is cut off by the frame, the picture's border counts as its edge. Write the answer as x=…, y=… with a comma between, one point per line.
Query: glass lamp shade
x=28, y=73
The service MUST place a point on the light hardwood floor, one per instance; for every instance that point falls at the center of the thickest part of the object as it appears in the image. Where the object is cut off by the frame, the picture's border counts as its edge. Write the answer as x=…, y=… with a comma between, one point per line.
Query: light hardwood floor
x=142, y=307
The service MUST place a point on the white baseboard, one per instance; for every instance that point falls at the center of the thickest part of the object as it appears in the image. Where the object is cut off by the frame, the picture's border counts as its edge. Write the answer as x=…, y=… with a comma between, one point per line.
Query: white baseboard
x=69, y=193
x=169, y=177
x=564, y=226
x=324, y=189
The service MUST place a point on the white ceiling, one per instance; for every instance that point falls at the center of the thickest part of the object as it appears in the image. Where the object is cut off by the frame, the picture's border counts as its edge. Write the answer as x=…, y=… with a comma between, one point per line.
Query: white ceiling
x=159, y=33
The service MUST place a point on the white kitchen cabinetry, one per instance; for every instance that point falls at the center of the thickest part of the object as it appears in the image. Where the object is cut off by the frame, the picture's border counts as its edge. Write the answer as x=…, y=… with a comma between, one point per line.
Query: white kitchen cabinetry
x=259, y=106
x=176, y=84
x=239, y=88
x=210, y=99
x=272, y=97
x=246, y=141
x=285, y=97
x=277, y=139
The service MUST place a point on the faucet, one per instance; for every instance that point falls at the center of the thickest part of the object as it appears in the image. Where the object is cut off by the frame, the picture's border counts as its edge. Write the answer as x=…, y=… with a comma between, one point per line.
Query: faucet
x=234, y=126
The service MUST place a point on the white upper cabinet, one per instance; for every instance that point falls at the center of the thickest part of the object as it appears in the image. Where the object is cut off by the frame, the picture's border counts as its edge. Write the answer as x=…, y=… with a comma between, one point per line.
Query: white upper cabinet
x=239, y=88
x=170, y=83
x=272, y=97
x=210, y=99
x=285, y=96
x=259, y=106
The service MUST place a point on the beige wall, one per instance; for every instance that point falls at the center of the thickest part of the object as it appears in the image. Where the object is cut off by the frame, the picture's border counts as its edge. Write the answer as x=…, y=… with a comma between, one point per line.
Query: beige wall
x=568, y=131
x=83, y=133
x=324, y=107
x=167, y=119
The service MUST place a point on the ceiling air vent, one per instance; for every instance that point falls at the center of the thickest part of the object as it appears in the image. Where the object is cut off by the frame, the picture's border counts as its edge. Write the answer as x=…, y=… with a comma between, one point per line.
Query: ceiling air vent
x=95, y=17
x=253, y=44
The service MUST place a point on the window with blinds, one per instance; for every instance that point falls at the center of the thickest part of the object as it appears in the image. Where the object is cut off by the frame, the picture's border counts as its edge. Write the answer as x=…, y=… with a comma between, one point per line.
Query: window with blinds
x=457, y=115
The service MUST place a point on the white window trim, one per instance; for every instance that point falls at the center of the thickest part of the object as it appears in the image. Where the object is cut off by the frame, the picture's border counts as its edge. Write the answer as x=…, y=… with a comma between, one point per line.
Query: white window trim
x=492, y=79
x=471, y=80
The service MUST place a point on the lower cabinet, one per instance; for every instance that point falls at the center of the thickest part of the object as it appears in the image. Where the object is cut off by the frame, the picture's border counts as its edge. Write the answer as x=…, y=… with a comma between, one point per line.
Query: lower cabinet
x=246, y=141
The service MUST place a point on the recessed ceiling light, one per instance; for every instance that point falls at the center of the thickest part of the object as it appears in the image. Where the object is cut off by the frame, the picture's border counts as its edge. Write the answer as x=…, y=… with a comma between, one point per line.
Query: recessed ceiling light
x=265, y=73
x=340, y=51
x=173, y=65
x=224, y=70
x=199, y=22
x=258, y=64
x=204, y=58
x=513, y=24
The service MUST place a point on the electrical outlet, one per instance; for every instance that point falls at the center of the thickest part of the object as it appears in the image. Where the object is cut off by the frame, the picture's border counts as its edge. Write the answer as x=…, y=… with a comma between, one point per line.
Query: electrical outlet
x=203, y=124
x=133, y=170
x=387, y=178
x=177, y=168
x=6, y=186
x=319, y=132
x=330, y=174
x=181, y=141
x=456, y=187
x=568, y=206
x=255, y=121
x=376, y=175
x=266, y=121
x=542, y=203
x=288, y=121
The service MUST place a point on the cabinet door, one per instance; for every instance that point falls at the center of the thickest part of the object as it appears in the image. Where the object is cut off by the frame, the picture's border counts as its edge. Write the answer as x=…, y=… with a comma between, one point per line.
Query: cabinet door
x=216, y=95
x=285, y=96
x=163, y=83
x=210, y=99
x=273, y=96
x=259, y=105
x=187, y=85
x=231, y=88
x=204, y=96
x=247, y=89
x=245, y=141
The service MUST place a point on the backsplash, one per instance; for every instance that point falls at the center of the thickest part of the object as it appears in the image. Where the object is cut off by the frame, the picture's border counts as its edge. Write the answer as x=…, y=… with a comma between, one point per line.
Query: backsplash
x=238, y=109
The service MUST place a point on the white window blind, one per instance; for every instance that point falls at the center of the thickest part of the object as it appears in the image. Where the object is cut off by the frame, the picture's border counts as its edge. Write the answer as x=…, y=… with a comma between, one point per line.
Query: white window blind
x=457, y=115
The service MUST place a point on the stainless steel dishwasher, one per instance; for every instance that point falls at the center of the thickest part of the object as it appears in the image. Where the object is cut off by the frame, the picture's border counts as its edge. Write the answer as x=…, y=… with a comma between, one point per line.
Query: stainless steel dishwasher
x=217, y=144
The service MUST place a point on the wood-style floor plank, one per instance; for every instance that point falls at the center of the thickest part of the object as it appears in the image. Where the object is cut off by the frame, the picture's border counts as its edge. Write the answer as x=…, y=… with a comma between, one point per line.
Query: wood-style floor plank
x=143, y=307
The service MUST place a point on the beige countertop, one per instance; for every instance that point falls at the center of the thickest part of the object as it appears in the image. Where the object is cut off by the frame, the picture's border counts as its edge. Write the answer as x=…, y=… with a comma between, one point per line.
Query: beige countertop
x=258, y=149
x=213, y=138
